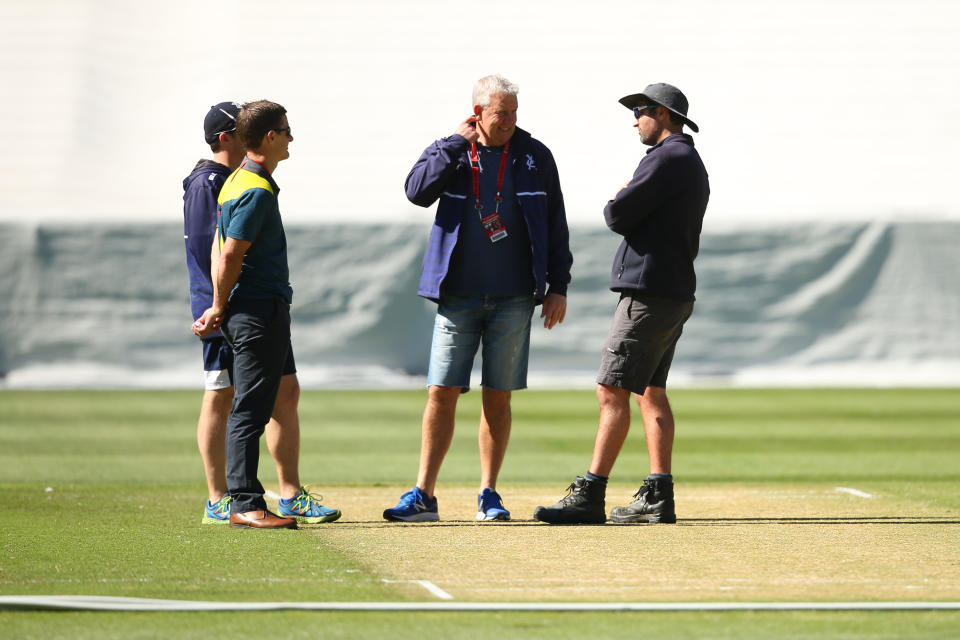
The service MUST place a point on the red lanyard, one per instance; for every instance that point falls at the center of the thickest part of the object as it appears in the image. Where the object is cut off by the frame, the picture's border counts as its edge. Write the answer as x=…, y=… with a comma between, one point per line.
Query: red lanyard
x=475, y=166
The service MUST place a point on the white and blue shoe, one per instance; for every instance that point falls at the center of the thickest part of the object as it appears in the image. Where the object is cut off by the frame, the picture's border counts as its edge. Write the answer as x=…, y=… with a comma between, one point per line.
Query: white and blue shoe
x=413, y=507
x=490, y=506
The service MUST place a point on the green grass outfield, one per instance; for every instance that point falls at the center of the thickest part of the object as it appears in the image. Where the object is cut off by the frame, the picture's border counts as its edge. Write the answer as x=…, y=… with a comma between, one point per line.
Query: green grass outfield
x=101, y=494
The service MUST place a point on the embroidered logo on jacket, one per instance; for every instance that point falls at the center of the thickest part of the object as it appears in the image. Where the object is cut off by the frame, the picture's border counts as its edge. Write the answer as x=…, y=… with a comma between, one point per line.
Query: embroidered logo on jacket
x=531, y=165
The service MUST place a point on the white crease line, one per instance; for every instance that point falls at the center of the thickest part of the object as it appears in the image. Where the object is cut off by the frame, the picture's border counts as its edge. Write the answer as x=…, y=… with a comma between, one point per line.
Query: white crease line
x=855, y=492
x=434, y=589
x=426, y=584
x=101, y=603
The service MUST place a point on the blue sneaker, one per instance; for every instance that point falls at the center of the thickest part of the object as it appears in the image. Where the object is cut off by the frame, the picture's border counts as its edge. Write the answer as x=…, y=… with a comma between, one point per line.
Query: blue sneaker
x=217, y=512
x=305, y=507
x=413, y=507
x=490, y=506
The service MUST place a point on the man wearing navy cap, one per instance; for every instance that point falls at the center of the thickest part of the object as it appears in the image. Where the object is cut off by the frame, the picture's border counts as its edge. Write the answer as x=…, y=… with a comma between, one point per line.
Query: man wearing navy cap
x=659, y=213
x=200, y=192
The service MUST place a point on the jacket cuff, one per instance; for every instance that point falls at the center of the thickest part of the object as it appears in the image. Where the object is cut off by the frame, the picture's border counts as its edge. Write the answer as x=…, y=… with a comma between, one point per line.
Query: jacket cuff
x=559, y=289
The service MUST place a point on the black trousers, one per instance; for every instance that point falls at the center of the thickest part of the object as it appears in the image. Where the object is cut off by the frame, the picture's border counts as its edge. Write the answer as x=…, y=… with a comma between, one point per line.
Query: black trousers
x=258, y=331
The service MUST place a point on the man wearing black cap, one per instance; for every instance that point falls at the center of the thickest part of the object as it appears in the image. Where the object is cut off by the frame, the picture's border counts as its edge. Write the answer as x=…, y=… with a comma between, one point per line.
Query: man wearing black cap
x=659, y=213
x=201, y=190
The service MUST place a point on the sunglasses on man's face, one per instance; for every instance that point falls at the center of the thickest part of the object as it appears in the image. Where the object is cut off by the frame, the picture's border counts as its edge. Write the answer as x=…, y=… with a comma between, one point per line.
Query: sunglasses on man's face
x=638, y=111
x=285, y=130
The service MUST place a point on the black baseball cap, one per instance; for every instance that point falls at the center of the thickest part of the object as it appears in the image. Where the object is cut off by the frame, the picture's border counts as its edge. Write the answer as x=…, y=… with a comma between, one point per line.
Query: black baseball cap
x=665, y=95
x=222, y=118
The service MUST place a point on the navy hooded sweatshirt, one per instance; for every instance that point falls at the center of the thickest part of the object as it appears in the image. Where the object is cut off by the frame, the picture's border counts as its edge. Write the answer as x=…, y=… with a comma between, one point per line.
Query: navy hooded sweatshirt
x=200, y=191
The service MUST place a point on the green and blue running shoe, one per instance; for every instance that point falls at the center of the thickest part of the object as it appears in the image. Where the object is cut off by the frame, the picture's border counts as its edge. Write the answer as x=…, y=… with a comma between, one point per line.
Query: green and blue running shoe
x=217, y=512
x=305, y=507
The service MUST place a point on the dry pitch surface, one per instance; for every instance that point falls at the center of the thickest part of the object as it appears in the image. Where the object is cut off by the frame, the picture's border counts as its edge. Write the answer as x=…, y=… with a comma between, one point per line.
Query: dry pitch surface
x=730, y=544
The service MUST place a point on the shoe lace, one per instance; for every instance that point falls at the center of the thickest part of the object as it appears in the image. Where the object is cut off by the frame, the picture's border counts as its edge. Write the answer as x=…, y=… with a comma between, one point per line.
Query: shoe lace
x=572, y=491
x=222, y=505
x=305, y=500
x=491, y=500
x=644, y=489
x=412, y=498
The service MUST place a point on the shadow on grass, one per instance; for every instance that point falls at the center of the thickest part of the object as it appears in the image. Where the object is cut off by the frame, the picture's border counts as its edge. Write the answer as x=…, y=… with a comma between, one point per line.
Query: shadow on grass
x=689, y=522
x=366, y=524
x=897, y=520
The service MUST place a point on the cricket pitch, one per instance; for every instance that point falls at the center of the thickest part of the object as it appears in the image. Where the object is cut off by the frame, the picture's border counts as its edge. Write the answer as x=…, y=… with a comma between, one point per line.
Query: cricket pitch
x=777, y=543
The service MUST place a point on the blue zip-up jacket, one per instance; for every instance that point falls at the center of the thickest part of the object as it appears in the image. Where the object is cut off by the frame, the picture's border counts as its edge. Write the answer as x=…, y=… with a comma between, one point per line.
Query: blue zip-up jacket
x=660, y=214
x=443, y=172
x=200, y=191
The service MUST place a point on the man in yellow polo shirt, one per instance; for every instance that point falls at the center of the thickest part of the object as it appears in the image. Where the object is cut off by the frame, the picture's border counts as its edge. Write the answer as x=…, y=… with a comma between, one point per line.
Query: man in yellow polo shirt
x=251, y=305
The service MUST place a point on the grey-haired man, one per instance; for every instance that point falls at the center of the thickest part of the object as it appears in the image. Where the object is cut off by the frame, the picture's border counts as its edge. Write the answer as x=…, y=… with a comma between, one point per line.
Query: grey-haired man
x=659, y=213
x=499, y=247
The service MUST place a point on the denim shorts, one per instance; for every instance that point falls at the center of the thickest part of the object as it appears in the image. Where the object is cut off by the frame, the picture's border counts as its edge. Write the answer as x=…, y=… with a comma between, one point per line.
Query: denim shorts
x=639, y=351
x=501, y=323
x=218, y=363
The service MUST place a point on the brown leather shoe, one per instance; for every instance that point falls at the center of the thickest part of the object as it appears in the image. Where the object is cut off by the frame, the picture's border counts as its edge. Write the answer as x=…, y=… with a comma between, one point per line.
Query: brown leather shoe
x=260, y=520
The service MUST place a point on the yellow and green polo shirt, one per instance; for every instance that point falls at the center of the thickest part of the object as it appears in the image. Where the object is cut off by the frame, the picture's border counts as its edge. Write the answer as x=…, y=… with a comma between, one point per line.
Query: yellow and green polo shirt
x=248, y=210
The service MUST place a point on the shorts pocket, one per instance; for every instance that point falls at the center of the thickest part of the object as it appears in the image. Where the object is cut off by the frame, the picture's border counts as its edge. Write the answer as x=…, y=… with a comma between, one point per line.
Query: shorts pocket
x=620, y=358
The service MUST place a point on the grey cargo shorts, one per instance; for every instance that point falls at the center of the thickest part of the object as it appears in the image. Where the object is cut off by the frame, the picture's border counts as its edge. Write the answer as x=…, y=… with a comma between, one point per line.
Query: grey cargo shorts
x=639, y=350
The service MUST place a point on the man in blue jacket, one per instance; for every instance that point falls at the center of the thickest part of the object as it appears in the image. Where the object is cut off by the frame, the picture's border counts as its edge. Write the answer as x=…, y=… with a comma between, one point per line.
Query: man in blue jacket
x=499, y=246
x=659, y=213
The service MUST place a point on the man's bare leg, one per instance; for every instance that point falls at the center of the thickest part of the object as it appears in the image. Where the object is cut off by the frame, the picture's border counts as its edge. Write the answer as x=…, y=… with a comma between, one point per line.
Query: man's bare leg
x=436, y=434
x=211, y=439
x=612, y=430
x=283, y=436
x=659, y=427
x=495, y=421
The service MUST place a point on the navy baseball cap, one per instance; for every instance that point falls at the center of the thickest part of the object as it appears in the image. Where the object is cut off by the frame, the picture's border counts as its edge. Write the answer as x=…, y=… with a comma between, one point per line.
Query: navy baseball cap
x=222, y=118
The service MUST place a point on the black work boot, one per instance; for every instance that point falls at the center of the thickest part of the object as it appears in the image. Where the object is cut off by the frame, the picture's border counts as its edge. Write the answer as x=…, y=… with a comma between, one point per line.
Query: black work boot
x=653, y=502
x=583, y=504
